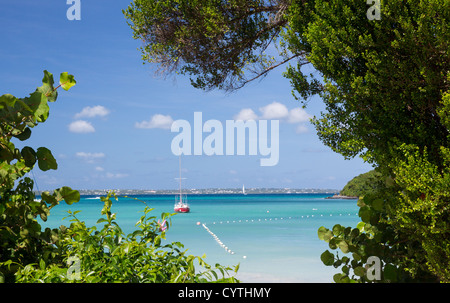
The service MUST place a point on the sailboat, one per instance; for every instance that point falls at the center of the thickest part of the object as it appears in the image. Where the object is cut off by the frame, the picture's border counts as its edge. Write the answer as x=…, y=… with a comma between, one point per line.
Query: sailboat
x=181, y=205
x=243, y=190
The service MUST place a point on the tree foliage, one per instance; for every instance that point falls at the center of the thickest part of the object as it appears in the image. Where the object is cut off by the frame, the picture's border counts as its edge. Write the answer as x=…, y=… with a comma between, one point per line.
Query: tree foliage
x=22, y=239
x=30, y=254
x=105, y=255
x=363, y=184
x=218, y=44
x=383, y=79
x=385, y=84
x=385, y=89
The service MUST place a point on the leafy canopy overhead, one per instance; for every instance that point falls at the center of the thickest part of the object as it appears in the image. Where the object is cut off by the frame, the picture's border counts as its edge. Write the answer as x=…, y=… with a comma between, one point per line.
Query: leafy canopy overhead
x=219, y=44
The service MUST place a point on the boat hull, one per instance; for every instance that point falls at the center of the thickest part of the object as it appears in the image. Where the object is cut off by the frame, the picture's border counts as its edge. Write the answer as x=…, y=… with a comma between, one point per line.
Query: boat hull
x=182, y=209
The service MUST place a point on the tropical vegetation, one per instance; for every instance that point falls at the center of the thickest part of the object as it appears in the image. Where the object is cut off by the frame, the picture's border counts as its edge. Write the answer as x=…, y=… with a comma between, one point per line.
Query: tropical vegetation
x=75, y=253
x=385, y=85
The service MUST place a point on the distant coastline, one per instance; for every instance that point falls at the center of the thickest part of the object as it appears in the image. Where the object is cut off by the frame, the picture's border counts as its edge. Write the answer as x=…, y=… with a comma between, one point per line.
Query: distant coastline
x=337, y=196
x=209, y=191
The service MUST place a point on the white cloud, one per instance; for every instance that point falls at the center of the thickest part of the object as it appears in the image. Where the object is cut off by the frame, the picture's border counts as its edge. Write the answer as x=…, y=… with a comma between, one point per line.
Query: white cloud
x=91, y=112
x=90, y=157
x=246, y=114
x=81, y=126
x=301, y=129
x=157, y=121
x=274, y=110
x=298, y=115
x=278, y=111
x=99, y=168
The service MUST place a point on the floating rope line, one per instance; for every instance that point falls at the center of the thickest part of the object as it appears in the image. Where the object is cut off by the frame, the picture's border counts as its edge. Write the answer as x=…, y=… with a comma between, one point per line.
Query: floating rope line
x=218, y=240
x=228, y=250
x=278, y=218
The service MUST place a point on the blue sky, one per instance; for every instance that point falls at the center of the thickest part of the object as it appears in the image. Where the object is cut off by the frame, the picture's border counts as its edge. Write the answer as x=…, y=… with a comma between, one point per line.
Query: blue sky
x=101, y=131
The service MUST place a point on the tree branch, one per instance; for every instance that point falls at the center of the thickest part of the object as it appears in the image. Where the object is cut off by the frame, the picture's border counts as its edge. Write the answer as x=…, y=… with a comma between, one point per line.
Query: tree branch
x=269, y=69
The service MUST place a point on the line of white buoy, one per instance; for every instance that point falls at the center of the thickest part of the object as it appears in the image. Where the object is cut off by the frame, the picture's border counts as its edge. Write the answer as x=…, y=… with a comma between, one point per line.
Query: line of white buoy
x=218, y=240
x=276, y=219
x=228, y=250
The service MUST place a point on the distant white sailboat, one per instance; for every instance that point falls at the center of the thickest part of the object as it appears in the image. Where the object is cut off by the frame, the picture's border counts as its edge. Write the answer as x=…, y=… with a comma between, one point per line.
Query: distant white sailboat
x=243, y=190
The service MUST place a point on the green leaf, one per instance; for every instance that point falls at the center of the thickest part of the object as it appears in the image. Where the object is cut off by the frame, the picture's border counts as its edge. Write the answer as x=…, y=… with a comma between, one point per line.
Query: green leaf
x=332, y=243
x=45, y=159
x=361, y=226
x=327, y=258
x=341, y=278
x=47, y=88
x=29, y=155
x=337, y=229
x=42, y=264
x=321, y=232
x=66, y=81
x=23, y=135
x=37, y=104
x=365, y=214
x=356, y=256
x=354, y=233
x=390, y=273
x=42, y=112
x=324, y=234
x=343, y=245
x=67, y=194
x=378, y=204
x=49, y=198
x=359, y=271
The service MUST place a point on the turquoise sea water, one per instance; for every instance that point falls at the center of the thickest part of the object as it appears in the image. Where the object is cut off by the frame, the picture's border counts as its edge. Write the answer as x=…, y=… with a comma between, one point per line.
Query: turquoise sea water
x=272, y=237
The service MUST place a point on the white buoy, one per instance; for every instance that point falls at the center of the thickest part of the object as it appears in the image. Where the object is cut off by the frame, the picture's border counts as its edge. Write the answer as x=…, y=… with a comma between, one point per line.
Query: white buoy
x=198, y=223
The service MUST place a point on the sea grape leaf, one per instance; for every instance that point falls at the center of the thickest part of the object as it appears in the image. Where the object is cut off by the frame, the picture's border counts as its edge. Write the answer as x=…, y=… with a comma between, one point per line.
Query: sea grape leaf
x=45, y=159
x=37, y=103
x=50, y=199
x=378, y=204
x=29, y=155
x=324, y=234
x=343, y=245
x=390, y=272
x=337, y=229
x=23, y=135
x=365, y=214
x=359, y=271
x=67, y=194
x=47, y=88
x=67, y=81
x=327, y=258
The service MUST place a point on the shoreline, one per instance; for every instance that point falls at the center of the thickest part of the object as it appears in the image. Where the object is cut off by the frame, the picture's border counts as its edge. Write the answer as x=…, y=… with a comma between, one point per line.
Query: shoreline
x=208, y=191
x=336, y=196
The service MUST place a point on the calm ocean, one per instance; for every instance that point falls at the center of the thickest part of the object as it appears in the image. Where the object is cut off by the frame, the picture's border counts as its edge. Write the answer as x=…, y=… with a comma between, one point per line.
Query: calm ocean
x=272, y=237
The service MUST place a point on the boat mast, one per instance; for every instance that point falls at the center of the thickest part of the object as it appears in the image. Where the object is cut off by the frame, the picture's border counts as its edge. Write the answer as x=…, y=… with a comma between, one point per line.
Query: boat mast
x=180, y=178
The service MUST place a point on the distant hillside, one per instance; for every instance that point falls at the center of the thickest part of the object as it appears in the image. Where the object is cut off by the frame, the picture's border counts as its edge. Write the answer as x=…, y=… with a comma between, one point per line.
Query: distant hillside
x=362, y=184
